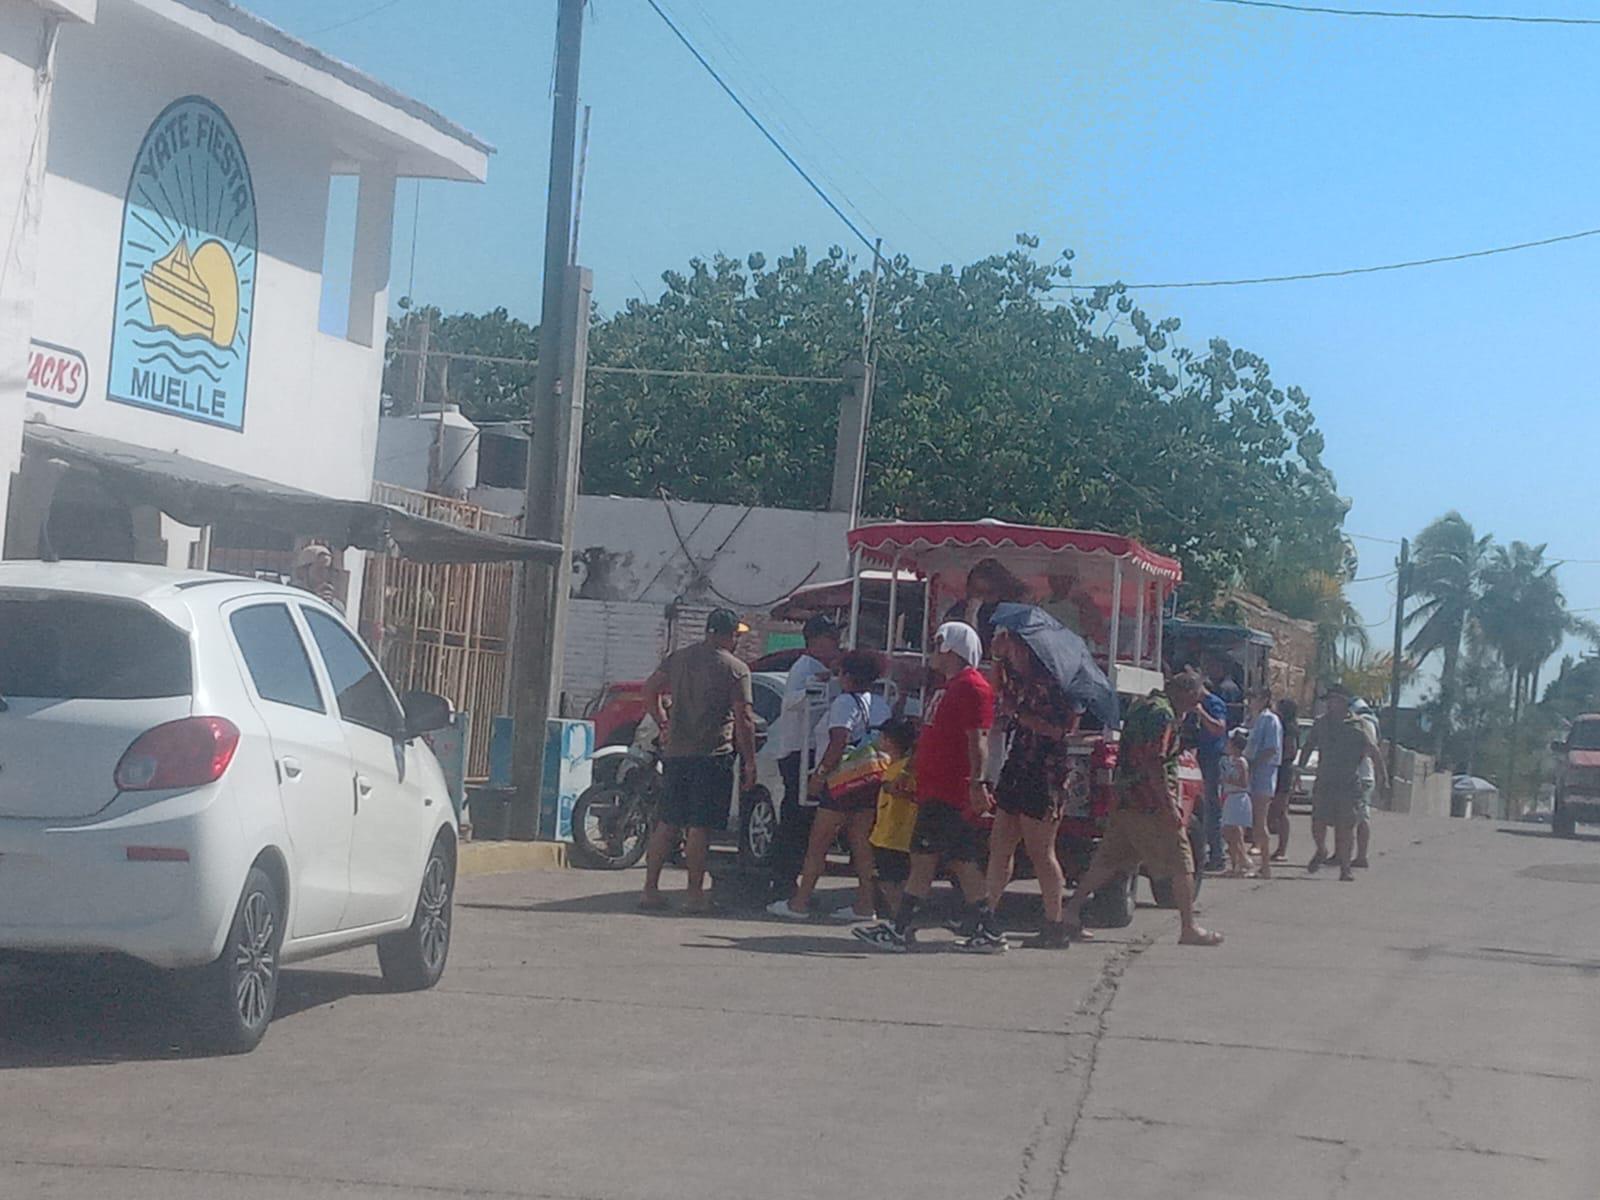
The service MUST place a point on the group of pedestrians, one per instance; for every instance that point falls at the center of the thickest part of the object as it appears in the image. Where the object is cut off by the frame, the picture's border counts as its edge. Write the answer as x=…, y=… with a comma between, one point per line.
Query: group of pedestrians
x=909, y=803
x=1249, y=773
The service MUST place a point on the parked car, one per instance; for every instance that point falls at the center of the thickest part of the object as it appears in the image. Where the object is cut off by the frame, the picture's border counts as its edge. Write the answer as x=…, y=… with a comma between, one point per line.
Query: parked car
x=1577, y=776
x=212, y=775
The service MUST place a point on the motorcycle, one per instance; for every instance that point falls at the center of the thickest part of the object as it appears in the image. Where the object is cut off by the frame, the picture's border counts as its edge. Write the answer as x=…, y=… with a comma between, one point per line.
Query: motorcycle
x=612, y=819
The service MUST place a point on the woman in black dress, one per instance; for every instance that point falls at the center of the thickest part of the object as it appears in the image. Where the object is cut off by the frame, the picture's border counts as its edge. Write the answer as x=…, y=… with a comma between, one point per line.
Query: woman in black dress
x=1031, y=789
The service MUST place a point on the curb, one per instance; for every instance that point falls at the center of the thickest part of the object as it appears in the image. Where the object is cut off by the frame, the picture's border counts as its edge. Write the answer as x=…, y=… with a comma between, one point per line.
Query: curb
x=495, y=858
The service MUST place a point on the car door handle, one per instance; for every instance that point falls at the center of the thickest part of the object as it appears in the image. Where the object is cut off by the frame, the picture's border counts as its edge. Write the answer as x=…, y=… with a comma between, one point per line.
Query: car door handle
x=289, y=767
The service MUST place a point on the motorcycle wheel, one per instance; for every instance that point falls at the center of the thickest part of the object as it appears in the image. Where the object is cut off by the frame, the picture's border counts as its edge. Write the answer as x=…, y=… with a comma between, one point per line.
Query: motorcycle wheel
x=611, y=825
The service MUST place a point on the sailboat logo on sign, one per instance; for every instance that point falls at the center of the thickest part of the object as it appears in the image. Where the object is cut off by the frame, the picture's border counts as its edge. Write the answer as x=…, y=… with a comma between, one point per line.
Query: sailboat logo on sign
x=180, y=339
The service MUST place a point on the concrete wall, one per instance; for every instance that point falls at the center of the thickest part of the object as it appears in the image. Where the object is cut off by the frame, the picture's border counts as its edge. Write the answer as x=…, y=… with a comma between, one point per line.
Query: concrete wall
x=28, y=36
x=1419, y=788
x=1294, y=649
x=745, y=558
x=638, y=594
x=609, y=641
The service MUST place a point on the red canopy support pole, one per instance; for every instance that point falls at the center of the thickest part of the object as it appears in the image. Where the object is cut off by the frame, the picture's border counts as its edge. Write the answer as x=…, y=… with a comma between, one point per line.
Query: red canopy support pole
x=1116, y=618
x=855, y=597
x=894, y=606
x=1141, y=632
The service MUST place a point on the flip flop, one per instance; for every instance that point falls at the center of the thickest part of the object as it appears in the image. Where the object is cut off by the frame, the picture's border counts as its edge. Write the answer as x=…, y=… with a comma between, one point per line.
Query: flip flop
x=654, y=904
x=1201, y=937
x=1078, y=933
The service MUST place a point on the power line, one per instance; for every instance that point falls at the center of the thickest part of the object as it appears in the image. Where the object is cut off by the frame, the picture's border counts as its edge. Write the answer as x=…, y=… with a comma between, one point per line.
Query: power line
x=1323, y=10
x=866, y=241
x=501, y=360
x=361, y=16
x=1397, y=266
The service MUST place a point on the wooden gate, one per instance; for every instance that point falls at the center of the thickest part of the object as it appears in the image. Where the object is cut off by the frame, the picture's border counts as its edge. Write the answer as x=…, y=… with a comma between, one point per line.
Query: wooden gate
x=445, y=627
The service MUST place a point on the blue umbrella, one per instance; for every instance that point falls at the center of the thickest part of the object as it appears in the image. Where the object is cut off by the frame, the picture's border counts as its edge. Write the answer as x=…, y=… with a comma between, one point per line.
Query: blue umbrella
x=1066, y=656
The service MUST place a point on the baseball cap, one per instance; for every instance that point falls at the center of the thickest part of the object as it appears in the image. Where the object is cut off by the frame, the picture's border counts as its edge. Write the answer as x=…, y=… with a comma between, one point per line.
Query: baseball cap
x=819, y=625
x=725, y=621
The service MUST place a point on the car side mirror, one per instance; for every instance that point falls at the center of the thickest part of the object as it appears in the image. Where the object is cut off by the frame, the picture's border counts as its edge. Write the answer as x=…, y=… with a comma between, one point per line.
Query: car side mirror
x=425, y=712
x=1558, y=746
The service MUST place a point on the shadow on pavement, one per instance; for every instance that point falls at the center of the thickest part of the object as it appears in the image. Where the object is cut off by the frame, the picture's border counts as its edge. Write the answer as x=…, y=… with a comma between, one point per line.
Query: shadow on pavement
x=82, y=1012
x=837, y=943
x=1543, y=832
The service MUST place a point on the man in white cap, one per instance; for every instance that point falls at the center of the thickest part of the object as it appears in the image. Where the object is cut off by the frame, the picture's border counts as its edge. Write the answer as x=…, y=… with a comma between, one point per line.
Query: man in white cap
x=950, y=765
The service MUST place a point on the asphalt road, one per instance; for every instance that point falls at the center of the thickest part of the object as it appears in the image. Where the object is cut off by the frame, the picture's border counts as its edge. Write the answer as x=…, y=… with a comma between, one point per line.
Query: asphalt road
x=1430, y=1030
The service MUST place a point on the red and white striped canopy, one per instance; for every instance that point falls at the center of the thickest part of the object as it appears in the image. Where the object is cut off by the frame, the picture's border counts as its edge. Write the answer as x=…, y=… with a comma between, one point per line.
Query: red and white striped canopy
x=929, y=547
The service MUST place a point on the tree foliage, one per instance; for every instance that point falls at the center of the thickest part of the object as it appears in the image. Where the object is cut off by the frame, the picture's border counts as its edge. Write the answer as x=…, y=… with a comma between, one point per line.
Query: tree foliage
x=995, y=396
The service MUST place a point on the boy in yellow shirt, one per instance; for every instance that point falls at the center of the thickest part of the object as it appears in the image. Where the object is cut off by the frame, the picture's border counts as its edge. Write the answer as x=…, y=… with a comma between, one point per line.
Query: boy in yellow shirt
x=897, y=813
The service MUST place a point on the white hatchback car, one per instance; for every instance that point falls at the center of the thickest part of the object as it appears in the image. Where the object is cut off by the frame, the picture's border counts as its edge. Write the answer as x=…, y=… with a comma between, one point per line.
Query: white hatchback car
x=211, y=774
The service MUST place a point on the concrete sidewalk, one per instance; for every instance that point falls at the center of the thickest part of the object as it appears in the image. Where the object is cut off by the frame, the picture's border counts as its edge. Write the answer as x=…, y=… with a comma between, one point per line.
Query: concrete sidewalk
x=1426, y=1031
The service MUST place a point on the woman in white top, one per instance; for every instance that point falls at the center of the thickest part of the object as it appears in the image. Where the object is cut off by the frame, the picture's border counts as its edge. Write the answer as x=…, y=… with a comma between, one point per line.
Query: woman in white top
x=848, y=723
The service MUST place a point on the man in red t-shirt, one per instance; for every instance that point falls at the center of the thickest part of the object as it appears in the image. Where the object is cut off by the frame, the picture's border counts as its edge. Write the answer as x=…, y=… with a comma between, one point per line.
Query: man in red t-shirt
x=952, y=754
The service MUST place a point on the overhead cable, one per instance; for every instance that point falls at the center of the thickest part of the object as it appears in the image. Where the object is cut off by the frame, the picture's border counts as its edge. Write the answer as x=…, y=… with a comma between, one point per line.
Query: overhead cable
x=1331, y=11
x=360, y=16
x=1296, y=278
x=866, y=241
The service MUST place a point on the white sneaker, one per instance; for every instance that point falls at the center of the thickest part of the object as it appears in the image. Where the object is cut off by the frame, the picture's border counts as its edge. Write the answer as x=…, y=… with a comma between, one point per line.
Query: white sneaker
x=780, y=908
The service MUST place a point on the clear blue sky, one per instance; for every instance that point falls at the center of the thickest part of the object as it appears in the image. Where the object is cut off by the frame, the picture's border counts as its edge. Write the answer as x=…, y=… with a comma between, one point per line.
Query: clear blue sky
x=1160, y=139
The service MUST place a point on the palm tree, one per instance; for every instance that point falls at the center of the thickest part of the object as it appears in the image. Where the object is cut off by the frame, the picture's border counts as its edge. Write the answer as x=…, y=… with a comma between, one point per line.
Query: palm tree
x=1523, y=616
x=1444, y=579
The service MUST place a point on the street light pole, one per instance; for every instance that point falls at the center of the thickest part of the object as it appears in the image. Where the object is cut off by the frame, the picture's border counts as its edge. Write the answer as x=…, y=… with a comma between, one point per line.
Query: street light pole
x=552, y=459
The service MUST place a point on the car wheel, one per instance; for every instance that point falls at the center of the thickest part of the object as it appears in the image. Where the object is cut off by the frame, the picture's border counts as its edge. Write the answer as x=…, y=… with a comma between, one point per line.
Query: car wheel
x=758, y=828
x=1112, y=906
x=414, y=959
x=1562, y=823
x=238, y=992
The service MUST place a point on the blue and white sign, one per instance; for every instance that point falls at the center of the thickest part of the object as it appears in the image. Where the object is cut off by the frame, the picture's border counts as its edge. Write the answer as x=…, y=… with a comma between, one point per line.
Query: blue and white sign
x=180, y=339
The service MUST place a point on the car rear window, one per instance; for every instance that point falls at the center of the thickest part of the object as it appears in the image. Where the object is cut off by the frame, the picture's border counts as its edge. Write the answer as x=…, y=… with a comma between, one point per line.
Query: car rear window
x=1585, y=736
x=55, y=647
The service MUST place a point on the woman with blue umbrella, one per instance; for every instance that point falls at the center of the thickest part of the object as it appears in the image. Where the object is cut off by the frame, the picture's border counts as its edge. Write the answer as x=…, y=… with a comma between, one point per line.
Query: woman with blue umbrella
x=1046, y=679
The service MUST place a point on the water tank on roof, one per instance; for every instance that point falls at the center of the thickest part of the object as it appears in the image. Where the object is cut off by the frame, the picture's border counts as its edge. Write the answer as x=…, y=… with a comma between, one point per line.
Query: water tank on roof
x=456, y=469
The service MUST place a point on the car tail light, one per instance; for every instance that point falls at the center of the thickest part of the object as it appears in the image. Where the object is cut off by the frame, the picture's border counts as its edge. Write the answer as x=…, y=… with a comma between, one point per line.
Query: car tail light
x=179, y=754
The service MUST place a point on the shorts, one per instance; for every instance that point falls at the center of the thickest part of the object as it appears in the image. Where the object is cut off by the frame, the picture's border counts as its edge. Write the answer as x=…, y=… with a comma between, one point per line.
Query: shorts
x=946, y=832
x=858, y=800
x=1025, y=788
x=1150, y=840
x=698, y=791
x=1342, y=810
x=1364, y=805
x=1264, y=779
x=1238, y=810
x=1286, y=777
x=891, y=866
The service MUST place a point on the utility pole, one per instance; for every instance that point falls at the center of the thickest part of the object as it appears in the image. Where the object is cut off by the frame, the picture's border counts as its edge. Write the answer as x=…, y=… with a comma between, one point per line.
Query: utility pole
x=850, y=446
x=1402, y=586
x=554, y=436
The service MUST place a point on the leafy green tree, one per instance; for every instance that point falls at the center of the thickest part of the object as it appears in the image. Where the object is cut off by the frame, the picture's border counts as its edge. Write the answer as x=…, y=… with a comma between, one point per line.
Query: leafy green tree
x=993, y=397
x=487, y=390
x=1444, y=579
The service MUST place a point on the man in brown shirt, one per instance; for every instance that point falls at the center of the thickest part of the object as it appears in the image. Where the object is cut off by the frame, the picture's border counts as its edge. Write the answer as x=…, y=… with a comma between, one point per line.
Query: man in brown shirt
x=711, y=716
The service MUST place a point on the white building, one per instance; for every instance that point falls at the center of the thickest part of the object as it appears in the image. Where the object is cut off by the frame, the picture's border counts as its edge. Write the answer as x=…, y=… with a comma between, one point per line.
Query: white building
x=165, y=173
